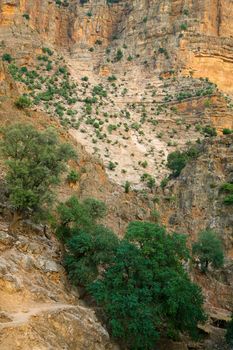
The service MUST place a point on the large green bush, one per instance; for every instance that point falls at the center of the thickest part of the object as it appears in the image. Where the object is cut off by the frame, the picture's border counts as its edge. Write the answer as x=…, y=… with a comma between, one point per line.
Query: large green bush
x=146, y=292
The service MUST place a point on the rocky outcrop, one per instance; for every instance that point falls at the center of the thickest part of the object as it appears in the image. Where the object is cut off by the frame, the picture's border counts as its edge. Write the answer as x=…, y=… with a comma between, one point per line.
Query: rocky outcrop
x=38, y=308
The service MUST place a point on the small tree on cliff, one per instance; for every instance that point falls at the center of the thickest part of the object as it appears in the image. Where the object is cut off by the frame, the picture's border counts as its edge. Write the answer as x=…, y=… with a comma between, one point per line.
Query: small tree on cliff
x=208, y=249
x=34, y=159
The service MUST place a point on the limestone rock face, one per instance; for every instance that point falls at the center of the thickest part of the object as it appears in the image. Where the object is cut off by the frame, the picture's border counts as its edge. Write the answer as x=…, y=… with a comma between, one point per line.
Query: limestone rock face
x=38, y=308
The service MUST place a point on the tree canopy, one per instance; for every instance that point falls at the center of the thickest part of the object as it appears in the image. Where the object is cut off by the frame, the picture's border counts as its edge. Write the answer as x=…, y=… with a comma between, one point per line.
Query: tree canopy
x=35, y=159
x=146, y=291
x=90, y=246
x=208, y=249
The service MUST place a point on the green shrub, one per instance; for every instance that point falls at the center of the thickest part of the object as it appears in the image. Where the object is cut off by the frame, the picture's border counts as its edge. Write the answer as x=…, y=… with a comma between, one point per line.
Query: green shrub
x=177, y=160
x=7, y=57
x=228, y=200
x=227, y=131
x=209, y=131
x=164, y=182
x=150, y=182
x=208, y=249
x=47, y=50
x=26, y=16
x=228, y=188
x=127, y=187
x=184, y=26
x=112, y=78
x=111, y=165
x=119, y=55
x=73, y=176
x=23, y=102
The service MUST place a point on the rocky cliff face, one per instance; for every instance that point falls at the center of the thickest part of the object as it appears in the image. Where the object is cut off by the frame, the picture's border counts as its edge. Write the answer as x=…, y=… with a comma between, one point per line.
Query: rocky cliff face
x=131, y=82
x=147, y=56
x=39, y=310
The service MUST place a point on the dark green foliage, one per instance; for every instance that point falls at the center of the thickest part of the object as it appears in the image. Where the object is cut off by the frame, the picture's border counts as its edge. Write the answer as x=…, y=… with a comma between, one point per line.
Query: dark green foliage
x=119, y=55
x=46, y=50
x=112, y=78
x=209, y=131
x=75, y=215
x=177, y=160
x=150, y=183
x=34, y=161
x=229, y=333
x=127, y=187
x=89, y=245
x=26, y=16
x=146, y=292
x=164, y=182
x=111, y=165
x=113, y=1
x=184, y=26
x=98, y=42
x=23, y=102
x=208, y=249
x=227, y=188
x=99, y=90
x=227, y=131
x=88, y=250
x=7, y=57
x=228, y=200
x=73, y=176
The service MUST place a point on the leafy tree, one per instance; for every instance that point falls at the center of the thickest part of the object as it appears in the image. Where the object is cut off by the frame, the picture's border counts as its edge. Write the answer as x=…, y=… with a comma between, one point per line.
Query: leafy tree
x=229, y=333
x=209, y=250
x=146, y=292
x=176, y=161
x=75, y=215
x=90, y=246
x=89, y=252
x=35, y=159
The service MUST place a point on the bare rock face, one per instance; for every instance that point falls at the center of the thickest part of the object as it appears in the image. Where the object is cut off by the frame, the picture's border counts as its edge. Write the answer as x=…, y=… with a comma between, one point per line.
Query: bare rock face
x=38, y=309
